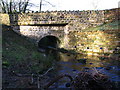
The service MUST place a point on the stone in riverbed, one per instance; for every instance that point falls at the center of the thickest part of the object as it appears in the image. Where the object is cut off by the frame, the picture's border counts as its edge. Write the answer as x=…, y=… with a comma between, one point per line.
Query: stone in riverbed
x=82, y=60
x=67, y=84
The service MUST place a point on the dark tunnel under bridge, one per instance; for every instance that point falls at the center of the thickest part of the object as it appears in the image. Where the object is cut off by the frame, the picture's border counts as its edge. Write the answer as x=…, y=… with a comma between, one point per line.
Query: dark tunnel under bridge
x=48, y=42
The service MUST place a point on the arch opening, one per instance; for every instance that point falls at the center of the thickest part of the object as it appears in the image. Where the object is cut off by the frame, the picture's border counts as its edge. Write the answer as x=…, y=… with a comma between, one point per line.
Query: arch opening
x=48, y=42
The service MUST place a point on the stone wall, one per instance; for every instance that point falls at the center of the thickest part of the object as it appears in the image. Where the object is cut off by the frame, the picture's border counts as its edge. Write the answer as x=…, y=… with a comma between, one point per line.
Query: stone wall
x=4, y=19
x=95, y=41
x=77, y=20
x=71, y=28
x=37, y=32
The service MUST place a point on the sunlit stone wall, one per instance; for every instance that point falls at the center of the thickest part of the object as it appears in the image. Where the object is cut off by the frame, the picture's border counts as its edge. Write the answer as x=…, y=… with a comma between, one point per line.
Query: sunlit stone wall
x=38, y=32
x=76, y=34
x=4, y=19
x=95, y=41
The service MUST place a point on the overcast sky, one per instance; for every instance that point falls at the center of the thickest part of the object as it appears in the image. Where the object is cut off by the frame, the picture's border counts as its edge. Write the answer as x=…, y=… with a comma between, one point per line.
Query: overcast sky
x=75, y=4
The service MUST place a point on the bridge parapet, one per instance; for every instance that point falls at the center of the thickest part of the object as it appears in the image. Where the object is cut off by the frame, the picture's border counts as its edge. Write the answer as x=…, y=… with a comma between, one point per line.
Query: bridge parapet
x=75, y=19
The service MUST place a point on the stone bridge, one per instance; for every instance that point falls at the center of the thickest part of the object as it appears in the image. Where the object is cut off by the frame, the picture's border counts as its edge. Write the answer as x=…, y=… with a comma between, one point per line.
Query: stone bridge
x=58, y=24
x=68, y=27
x=40, y=31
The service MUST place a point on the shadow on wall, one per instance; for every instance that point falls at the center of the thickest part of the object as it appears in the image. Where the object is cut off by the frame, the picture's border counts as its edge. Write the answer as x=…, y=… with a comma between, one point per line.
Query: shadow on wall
x=14, y=19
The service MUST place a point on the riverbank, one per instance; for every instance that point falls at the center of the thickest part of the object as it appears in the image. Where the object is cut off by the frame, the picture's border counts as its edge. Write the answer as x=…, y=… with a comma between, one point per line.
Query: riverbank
x=20, y=56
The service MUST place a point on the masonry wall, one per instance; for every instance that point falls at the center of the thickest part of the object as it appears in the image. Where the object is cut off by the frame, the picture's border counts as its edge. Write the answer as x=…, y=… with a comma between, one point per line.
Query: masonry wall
x=77, y=20
x=99, y=42
x=38, y=32
x=77, y=38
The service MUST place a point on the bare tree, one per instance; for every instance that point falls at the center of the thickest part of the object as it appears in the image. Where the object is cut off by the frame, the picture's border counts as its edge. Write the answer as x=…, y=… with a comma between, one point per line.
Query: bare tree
x=12, y=6
x=25, y=6
x=4, y=5
x=11, y=1
x=41, y=3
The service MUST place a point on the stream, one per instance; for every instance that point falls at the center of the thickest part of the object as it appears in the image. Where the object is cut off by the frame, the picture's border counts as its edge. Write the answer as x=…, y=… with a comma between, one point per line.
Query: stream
x=73, y=63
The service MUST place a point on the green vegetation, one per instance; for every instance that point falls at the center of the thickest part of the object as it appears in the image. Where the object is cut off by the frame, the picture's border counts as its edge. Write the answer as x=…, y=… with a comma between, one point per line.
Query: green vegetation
x=106, y=26
x=21, y=55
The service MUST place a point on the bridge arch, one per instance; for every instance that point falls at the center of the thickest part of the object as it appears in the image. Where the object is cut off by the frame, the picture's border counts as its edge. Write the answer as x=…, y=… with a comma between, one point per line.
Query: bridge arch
x=49, y=41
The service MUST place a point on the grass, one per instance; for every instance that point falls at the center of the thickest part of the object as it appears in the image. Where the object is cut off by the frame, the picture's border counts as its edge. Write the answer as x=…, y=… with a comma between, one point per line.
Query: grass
x=20, y=55
x=106, y=26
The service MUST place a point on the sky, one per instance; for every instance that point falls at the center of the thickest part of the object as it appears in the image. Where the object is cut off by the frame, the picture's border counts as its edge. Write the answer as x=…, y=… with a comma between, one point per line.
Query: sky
x=75, y=5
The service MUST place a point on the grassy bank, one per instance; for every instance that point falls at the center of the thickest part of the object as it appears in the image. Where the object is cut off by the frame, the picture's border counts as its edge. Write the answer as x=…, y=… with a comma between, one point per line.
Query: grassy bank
x=114, y=25
x=21, y=55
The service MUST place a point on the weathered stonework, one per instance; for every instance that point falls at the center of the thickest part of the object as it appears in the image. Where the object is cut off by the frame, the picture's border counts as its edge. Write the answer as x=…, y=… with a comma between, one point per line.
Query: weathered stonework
x=76, y=20
x=70, y=28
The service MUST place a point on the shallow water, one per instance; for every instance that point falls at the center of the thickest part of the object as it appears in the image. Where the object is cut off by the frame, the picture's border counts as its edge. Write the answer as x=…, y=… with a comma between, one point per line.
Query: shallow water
x=72, y=64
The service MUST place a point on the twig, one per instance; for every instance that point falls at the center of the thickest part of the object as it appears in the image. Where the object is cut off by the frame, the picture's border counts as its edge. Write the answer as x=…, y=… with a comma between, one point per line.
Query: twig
x=95, y=69
x=32, y=79
x=26, y=75
x=46, y=72
x=38, y=82
x=38, y=78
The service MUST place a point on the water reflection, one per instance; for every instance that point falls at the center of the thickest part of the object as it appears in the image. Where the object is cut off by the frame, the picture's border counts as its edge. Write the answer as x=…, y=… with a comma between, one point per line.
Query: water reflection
x=82, y=60
x=72, y=64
